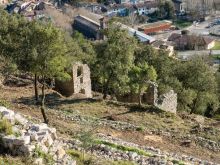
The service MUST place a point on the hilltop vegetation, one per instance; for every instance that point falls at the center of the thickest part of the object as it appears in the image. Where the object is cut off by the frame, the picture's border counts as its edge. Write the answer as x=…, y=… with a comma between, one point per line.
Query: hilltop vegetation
x=119, y=65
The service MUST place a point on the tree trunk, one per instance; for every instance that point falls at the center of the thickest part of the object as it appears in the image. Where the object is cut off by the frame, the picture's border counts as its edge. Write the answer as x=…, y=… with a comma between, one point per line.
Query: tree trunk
x=140, y=98
x=105, y=92
x=83, y=156
x=106, y=89
x=43, y=103
x=193, y=109
x=140, y=103
x=36, y=89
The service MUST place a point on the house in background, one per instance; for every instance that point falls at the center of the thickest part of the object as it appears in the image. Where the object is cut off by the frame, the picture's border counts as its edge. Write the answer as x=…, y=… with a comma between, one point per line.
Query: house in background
x=139, y=35
x=89, y=27
x=146, y=8
x=155, y=27
x=180, y=6
x=121, y=10
x=191, y=42
x=125, y=9
x=89, y=24
x=132, y=1
x=164, y=45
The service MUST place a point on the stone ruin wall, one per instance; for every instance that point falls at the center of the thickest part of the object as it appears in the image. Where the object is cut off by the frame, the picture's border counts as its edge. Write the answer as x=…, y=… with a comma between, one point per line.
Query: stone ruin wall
x=81, y=79
x=166, y=102
x=151, y=95
x=80, y=82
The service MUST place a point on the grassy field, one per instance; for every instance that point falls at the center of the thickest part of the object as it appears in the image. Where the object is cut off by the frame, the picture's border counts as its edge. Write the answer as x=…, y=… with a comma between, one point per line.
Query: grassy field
x=216, y=56
x=91, y=160
x=217, y=46
x=9, y=160
x=149, y=119
x=182, y=24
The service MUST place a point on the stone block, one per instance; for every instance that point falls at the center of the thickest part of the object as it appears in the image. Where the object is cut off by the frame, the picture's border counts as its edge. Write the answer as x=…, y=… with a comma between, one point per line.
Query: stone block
x=27, y=139
x=18, y=142
x=26, y=149
x=39, y=161
x=49, y=141
x=168, y=102
x=33, y=135
x=20, y=119
x=60, y=153
x=199, y=119
x=8, y=140
x=2, y=109
x=38, y=127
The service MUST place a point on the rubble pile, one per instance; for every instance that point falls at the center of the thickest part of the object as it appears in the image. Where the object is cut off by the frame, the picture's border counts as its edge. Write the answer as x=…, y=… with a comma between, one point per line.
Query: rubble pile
x=25, y=138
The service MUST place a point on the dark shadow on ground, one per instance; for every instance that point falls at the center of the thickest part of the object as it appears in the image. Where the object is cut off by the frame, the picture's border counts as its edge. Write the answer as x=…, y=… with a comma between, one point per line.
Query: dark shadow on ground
x=53, y=100
x=133, y=108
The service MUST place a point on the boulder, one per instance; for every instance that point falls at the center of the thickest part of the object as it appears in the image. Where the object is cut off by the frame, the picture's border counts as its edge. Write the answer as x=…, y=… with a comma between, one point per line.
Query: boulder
x=60, y=153
x=30, y=135
x=38, y=161
x=18, y=142
x=8, y=114
x=27, y=139
x=49, y=141
x=2, y=109
x=34, y=136
x=38, y=127
x=26, y=150
x=8, y=140
x=133, y=155
x=20, y=119
x=199, y=119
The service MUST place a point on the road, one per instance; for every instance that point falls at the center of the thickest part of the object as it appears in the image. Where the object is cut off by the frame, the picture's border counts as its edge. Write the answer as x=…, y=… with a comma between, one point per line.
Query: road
x=198, y=29
x=200, y=52
x=185, y=55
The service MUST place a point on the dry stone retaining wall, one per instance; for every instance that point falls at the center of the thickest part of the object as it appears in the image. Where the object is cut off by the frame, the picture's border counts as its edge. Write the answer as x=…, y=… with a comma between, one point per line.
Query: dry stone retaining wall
x=28, y=137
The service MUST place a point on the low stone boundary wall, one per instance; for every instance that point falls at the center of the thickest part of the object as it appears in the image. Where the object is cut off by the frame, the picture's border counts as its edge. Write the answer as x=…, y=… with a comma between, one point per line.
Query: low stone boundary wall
x=24, y=138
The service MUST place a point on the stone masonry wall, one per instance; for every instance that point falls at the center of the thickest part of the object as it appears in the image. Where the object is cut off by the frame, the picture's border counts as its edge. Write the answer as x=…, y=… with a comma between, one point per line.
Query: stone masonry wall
x=81, y=79
x=80, y=82
x=151, y=95
x=168, y=102
x=27, y=137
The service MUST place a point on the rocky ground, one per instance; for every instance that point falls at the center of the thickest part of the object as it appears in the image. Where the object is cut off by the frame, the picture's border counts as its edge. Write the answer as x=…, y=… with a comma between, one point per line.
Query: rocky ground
x=22, y=137
x=164, y=138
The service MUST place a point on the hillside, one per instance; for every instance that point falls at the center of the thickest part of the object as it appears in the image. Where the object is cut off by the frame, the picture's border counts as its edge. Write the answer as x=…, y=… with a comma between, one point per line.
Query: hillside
x=182, y=134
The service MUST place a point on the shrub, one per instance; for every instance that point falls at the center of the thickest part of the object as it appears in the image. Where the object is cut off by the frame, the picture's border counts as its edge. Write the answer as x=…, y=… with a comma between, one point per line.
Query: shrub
x=178, y=162
x=38, y=153
x=125, y=148
x=122, y=163
x=6, y=127
x=17, y=134
x=140, y=129
x=81, y=158
x=4, y=103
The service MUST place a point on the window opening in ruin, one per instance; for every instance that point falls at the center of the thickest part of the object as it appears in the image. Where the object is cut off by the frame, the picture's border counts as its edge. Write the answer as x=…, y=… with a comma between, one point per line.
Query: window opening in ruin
x=82, y=91
x=81, y=80
x=79, y=71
